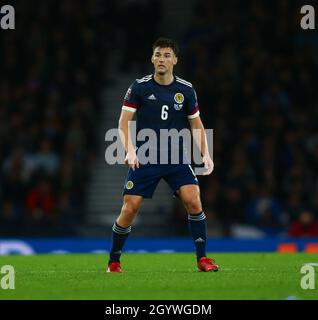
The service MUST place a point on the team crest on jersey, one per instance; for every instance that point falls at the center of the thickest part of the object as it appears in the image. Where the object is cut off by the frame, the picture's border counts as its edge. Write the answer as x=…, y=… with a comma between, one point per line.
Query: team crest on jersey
x=179, y=98
x=129, y=185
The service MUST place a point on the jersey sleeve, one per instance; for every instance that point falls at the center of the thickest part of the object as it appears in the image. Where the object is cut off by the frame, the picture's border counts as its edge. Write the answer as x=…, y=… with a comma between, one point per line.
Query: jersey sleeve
x=132, y=98
x=193, y=107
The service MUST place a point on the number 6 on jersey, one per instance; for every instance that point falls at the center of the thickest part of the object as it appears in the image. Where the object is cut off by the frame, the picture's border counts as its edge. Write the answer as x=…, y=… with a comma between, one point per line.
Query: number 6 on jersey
x=164, y=112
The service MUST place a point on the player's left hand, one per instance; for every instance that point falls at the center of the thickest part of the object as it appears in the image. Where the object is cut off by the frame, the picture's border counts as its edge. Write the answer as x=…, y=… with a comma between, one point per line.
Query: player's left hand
x=208, y=165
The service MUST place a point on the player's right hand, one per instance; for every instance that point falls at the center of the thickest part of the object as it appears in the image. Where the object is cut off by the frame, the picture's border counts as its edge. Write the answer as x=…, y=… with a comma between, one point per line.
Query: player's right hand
x=132, y=160
x=208, y=165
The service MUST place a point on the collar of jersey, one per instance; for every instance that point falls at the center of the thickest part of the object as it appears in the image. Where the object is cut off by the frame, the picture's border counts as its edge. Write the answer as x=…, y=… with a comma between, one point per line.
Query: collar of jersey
x=163, y=85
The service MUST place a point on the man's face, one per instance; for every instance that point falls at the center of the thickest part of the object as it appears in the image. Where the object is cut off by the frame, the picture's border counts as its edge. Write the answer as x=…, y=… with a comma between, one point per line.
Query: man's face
x=163, y=60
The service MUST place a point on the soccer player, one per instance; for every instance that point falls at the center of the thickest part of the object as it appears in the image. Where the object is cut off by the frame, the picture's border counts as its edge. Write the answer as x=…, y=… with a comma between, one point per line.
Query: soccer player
x=161, y=101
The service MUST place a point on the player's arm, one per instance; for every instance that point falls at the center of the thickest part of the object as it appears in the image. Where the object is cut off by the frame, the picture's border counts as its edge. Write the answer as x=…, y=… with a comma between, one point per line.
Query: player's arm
x=125, y=136
x=199, y=136
x=198, y=131
x=130, y=105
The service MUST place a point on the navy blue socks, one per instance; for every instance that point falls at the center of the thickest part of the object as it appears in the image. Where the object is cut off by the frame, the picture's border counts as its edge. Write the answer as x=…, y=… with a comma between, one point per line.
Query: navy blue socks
x=119, y=237
x=198, y=229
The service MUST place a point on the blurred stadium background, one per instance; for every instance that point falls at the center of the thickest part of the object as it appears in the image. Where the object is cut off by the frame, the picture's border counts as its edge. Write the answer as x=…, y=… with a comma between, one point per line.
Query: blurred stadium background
x=65, y=70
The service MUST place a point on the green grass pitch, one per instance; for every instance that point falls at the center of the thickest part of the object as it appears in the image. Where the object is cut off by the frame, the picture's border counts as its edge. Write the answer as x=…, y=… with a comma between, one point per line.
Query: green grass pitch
x=158, y=276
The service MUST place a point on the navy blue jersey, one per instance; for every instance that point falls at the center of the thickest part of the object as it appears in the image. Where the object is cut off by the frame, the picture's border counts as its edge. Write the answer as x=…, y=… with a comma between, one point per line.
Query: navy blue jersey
x=161, y=106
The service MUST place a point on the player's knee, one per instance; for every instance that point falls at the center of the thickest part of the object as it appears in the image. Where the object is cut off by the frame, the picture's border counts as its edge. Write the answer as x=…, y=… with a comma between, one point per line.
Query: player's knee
x=131, y=208
x=193, y=205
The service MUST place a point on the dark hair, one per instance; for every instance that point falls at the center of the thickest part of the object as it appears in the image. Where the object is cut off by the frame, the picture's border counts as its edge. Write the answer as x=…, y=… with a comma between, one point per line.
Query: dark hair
x=166, y=43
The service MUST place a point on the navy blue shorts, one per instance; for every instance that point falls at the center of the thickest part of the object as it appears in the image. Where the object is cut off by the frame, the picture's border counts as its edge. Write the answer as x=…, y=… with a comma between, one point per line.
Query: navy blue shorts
x=144, y=180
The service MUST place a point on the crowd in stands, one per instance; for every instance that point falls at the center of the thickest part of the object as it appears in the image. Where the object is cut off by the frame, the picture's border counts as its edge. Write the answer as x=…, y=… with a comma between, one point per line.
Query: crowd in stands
x=256, y=73
x=51, y=75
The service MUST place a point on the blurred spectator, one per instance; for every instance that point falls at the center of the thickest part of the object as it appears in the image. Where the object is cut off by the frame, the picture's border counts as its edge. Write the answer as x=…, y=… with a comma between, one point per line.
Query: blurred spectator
x=10, y=218
x=14, y=185
x=233, y=210
x=40, y=202
x=305, y=226
x=70, y=210
x=265, y=211
x=45, y=159
x=215, y=228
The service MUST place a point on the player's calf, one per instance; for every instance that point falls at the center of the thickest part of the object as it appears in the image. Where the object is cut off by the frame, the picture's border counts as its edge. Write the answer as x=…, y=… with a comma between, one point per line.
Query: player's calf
x=129, y=210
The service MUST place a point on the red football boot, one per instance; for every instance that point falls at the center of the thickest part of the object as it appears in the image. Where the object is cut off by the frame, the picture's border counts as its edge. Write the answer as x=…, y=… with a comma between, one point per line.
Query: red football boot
x=207, y=264
x=114, y=267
